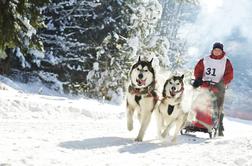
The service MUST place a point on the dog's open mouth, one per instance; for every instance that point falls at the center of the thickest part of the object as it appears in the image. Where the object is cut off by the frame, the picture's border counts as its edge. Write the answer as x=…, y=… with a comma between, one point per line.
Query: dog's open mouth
x=172, y=93
x=140, y=82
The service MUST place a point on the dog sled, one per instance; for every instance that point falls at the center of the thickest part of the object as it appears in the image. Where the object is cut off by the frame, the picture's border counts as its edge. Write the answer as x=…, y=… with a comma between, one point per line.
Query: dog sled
x=206, y=115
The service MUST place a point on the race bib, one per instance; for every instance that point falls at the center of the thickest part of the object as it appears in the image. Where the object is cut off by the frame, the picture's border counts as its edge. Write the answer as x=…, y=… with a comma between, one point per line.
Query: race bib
x=214, y=69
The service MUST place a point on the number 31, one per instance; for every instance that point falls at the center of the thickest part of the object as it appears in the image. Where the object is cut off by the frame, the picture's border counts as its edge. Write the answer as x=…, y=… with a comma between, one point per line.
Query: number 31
x=211, y=71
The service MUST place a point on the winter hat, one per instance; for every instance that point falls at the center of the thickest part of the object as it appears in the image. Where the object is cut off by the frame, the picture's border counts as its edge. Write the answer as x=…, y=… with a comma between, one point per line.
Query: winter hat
x=218, y=45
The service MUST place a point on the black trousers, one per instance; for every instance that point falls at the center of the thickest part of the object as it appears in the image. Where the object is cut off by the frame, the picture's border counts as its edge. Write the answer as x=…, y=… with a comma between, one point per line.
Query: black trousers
x=220, y=106
x=220, y=101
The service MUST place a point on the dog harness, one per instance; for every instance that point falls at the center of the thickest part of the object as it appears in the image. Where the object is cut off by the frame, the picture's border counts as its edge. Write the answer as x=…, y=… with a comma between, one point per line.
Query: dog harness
x=171, y=107
x=148, y=91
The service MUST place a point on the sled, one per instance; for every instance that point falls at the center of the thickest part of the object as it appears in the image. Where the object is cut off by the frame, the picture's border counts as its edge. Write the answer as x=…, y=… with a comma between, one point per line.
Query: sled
x=204, y=122
x=206, y=118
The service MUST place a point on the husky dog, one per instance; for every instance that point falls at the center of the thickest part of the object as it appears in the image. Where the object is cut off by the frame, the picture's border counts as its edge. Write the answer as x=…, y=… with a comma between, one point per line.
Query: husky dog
x=170, y=110
x=141, y=95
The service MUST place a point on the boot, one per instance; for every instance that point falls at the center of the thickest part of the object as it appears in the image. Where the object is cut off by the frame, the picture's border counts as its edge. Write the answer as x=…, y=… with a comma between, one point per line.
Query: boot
x=221, y=134
x=221, y=127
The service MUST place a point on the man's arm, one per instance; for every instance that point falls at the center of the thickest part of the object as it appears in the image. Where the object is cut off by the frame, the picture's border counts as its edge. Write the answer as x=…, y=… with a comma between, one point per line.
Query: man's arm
x=198, y=74
x=229, y=73
x=199, y=70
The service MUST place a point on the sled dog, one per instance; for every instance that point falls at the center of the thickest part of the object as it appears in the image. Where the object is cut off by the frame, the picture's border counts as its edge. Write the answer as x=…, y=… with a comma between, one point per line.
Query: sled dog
x=141, y=95
x=170, y=110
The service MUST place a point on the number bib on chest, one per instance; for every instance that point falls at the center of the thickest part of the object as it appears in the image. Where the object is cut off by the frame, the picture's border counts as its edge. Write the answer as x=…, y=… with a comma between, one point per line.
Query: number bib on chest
x=214, y=69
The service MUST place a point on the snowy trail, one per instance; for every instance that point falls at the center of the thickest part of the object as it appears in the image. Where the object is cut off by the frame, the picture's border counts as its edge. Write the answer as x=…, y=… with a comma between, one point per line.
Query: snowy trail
x=43, y=130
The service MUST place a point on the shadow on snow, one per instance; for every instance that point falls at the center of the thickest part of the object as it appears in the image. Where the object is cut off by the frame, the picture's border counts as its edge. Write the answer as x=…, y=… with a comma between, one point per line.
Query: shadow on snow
x=95, y=143
x=127, y=145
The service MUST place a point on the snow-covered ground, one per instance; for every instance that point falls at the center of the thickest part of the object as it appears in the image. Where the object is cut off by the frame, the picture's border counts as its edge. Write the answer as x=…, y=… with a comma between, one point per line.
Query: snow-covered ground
x=42, y=130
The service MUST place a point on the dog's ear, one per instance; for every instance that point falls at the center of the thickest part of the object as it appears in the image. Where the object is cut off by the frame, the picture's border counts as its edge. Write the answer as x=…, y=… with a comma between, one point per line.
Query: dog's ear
x=139, y=58
x=164, y=93
x=151, y=61
x=182, y=77
x=164, y=90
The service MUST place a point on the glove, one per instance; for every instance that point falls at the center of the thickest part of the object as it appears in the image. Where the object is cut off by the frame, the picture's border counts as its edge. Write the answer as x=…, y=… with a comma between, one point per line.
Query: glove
x=197, y=83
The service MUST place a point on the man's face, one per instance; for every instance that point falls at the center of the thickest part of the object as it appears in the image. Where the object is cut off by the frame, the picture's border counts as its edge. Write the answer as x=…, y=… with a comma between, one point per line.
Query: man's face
x=217, y=52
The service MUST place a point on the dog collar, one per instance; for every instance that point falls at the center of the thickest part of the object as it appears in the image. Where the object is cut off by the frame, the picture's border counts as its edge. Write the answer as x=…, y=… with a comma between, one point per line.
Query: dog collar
x=141, y=91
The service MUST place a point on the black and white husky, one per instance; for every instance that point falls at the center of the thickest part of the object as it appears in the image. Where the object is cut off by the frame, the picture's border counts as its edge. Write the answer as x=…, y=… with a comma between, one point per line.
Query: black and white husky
x=170, y=111
x=141, y=95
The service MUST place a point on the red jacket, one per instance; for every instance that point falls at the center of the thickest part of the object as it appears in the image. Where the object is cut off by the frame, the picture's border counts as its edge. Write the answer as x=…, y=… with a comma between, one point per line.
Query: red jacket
x=228, y=74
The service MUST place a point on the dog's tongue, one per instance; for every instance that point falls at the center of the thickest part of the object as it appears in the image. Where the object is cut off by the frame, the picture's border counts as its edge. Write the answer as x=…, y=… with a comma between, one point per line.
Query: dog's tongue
x=172, y=93
x=141, y=82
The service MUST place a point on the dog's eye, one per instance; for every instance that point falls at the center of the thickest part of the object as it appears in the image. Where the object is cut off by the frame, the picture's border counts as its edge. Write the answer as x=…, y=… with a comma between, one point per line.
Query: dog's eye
x=177, y=83
x=138, y=69
x=170, y=83
x=145, y=70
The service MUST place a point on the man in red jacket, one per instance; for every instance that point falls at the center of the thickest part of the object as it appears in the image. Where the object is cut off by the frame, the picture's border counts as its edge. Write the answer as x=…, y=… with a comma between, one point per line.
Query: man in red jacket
x=215, y=72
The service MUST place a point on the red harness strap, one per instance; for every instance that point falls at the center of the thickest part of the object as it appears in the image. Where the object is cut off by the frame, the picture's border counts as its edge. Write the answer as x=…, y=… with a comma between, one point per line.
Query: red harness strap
x=149, y=91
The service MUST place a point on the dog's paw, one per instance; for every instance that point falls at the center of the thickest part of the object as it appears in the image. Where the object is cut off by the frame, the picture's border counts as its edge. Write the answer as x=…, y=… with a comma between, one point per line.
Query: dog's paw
x=139, y=139
x=174, y=141
x=130, y=127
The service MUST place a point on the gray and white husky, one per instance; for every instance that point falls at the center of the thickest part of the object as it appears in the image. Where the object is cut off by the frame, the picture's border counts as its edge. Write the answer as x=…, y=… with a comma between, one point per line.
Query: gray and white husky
x=141, y=95
x=170, y=111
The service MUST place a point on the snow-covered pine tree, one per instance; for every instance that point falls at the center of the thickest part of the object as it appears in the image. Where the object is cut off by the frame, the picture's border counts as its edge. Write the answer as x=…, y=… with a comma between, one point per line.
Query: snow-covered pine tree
x=143, y=39
x=115, y=57
x=82, y=34
x=18, y=23
x=90, y=45
x=70, y=40
x=175, y=14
